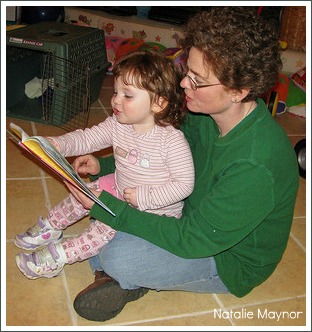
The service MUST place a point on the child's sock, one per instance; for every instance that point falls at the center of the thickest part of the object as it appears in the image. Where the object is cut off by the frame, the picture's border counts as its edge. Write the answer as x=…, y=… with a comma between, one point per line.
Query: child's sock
x=47, y=224
x=60, y=250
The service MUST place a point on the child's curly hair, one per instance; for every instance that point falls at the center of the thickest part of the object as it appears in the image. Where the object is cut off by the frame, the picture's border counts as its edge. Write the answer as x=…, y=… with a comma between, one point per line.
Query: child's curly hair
x=157, y=74
x=241, y=47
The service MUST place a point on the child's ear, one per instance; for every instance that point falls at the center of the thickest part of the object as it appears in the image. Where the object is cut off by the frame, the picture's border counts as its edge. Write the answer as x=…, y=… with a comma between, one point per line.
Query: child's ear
x=159, y=104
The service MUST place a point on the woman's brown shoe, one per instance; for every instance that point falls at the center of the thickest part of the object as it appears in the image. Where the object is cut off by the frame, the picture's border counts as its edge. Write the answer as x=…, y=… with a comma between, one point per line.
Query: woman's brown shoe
x=104, y=298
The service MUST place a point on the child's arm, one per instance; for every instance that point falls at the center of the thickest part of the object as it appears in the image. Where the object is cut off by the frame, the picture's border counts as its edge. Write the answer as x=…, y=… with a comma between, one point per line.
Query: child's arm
x=80, y=142
x=182, y=176
x=53, y=142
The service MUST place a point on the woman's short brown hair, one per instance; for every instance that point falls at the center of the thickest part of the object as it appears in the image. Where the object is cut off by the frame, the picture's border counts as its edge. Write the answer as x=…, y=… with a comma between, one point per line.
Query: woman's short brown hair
x=241, y=48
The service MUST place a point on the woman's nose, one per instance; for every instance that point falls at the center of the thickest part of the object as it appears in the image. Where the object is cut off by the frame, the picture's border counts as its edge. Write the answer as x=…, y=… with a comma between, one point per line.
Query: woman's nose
x=184, y=82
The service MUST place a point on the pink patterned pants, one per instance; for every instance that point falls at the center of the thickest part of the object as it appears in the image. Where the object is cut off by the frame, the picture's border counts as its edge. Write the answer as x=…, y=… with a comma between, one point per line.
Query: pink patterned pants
x=69, y=211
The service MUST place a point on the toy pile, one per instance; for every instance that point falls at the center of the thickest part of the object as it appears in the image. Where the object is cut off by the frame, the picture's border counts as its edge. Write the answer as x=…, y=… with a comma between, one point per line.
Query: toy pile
x=116, y=47
x=289, y=94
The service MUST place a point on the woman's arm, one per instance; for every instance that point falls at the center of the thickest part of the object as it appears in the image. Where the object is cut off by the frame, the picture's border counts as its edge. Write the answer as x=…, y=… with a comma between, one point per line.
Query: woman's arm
x=209, y=224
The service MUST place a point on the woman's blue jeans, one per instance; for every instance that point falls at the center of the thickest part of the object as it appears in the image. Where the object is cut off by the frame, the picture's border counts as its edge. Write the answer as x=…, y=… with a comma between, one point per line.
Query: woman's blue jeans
x=135, y=262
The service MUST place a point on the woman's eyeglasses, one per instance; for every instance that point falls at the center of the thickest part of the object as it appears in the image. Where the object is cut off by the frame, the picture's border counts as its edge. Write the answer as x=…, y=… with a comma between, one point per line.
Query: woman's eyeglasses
x=196, y=86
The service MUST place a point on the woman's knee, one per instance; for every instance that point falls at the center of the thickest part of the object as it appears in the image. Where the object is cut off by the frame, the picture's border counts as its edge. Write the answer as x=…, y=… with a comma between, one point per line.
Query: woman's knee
x=118, y=257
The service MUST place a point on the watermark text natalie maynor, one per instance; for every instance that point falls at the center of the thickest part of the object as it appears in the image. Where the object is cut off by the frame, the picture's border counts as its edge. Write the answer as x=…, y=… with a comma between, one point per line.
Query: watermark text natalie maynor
x=259, y=314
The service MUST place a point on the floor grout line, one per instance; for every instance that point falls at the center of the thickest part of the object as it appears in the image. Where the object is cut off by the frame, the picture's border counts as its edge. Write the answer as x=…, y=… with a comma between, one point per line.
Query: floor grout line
x=296, y=135
x=205, y=312
x=298, y=242
x=156, y=319
x=73, y=314
x=104, y=108
x=221, y=305
x=300, y=217
x=35, y=178
x=282, y=299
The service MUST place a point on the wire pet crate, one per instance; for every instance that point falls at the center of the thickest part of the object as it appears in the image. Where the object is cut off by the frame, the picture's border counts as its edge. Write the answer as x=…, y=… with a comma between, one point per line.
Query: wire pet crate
x=69, y=60
x=66, y=92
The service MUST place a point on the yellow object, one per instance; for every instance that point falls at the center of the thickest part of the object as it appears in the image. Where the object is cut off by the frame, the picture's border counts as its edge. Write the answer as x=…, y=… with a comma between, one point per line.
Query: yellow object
x=283, y=44
x=14, y=26
x=272, y=102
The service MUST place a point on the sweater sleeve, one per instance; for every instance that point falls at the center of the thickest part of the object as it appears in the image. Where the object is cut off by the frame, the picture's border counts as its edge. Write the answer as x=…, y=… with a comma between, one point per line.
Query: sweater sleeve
x=217, y=220
x=107, y=166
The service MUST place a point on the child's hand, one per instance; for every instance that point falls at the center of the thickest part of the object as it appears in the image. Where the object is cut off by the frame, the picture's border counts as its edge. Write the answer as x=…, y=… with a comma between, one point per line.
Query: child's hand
x=87, y=164
x=130, y=196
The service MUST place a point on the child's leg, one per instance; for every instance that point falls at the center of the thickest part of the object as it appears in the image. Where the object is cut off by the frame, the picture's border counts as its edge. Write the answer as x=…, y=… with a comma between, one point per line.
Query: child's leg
x=96, y=235
x=108, y=184
x=88, y=243
x=50, y=229
x=59, y=217
x=66, y=213
x=49, y=260
x=70, y=210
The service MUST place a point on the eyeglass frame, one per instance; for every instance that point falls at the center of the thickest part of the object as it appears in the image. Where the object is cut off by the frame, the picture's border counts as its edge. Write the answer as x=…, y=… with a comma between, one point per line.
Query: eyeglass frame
x=199, y=86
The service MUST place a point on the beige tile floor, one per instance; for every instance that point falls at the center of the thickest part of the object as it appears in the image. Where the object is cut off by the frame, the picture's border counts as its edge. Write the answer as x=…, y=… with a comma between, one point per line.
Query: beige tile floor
x=30, y=192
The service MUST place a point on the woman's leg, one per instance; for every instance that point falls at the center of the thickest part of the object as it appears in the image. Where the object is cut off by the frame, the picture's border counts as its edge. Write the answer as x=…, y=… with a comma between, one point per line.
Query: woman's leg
x=135, y=262
x=136, y=266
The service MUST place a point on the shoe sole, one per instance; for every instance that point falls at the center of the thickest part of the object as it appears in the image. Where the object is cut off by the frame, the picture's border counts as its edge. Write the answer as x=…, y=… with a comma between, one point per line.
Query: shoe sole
x=106, y=301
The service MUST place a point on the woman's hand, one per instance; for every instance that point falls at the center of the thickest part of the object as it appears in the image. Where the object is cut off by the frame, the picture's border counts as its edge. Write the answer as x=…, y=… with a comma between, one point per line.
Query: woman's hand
x=86, y=202
x=87, y=164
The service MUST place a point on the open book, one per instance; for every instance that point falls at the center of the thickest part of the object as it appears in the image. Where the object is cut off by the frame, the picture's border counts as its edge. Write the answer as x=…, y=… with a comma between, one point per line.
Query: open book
x=44, y=151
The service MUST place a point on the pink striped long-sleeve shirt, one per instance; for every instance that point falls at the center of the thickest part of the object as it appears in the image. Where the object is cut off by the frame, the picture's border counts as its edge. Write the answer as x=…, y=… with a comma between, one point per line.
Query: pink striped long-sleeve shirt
x=158, y=163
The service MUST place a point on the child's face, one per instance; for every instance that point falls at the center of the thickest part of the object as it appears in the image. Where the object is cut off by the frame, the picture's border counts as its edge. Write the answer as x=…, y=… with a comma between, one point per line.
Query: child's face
x=132, y=106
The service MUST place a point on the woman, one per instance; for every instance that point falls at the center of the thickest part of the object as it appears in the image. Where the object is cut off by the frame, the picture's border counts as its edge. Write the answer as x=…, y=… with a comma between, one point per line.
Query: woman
x=236, y=223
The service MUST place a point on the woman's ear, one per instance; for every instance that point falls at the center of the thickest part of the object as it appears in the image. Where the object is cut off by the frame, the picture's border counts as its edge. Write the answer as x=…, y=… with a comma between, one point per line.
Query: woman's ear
x=238, y=96
x=159, y=104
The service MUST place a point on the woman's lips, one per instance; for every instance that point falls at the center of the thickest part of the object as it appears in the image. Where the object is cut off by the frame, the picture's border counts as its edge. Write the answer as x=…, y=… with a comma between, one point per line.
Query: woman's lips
x=187, y=98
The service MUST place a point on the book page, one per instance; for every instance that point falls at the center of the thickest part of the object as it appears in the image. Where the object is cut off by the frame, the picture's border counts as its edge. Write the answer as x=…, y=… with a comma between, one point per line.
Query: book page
x=34, y=147
x=45, y=151
x=54, y=154
x=18, y=131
